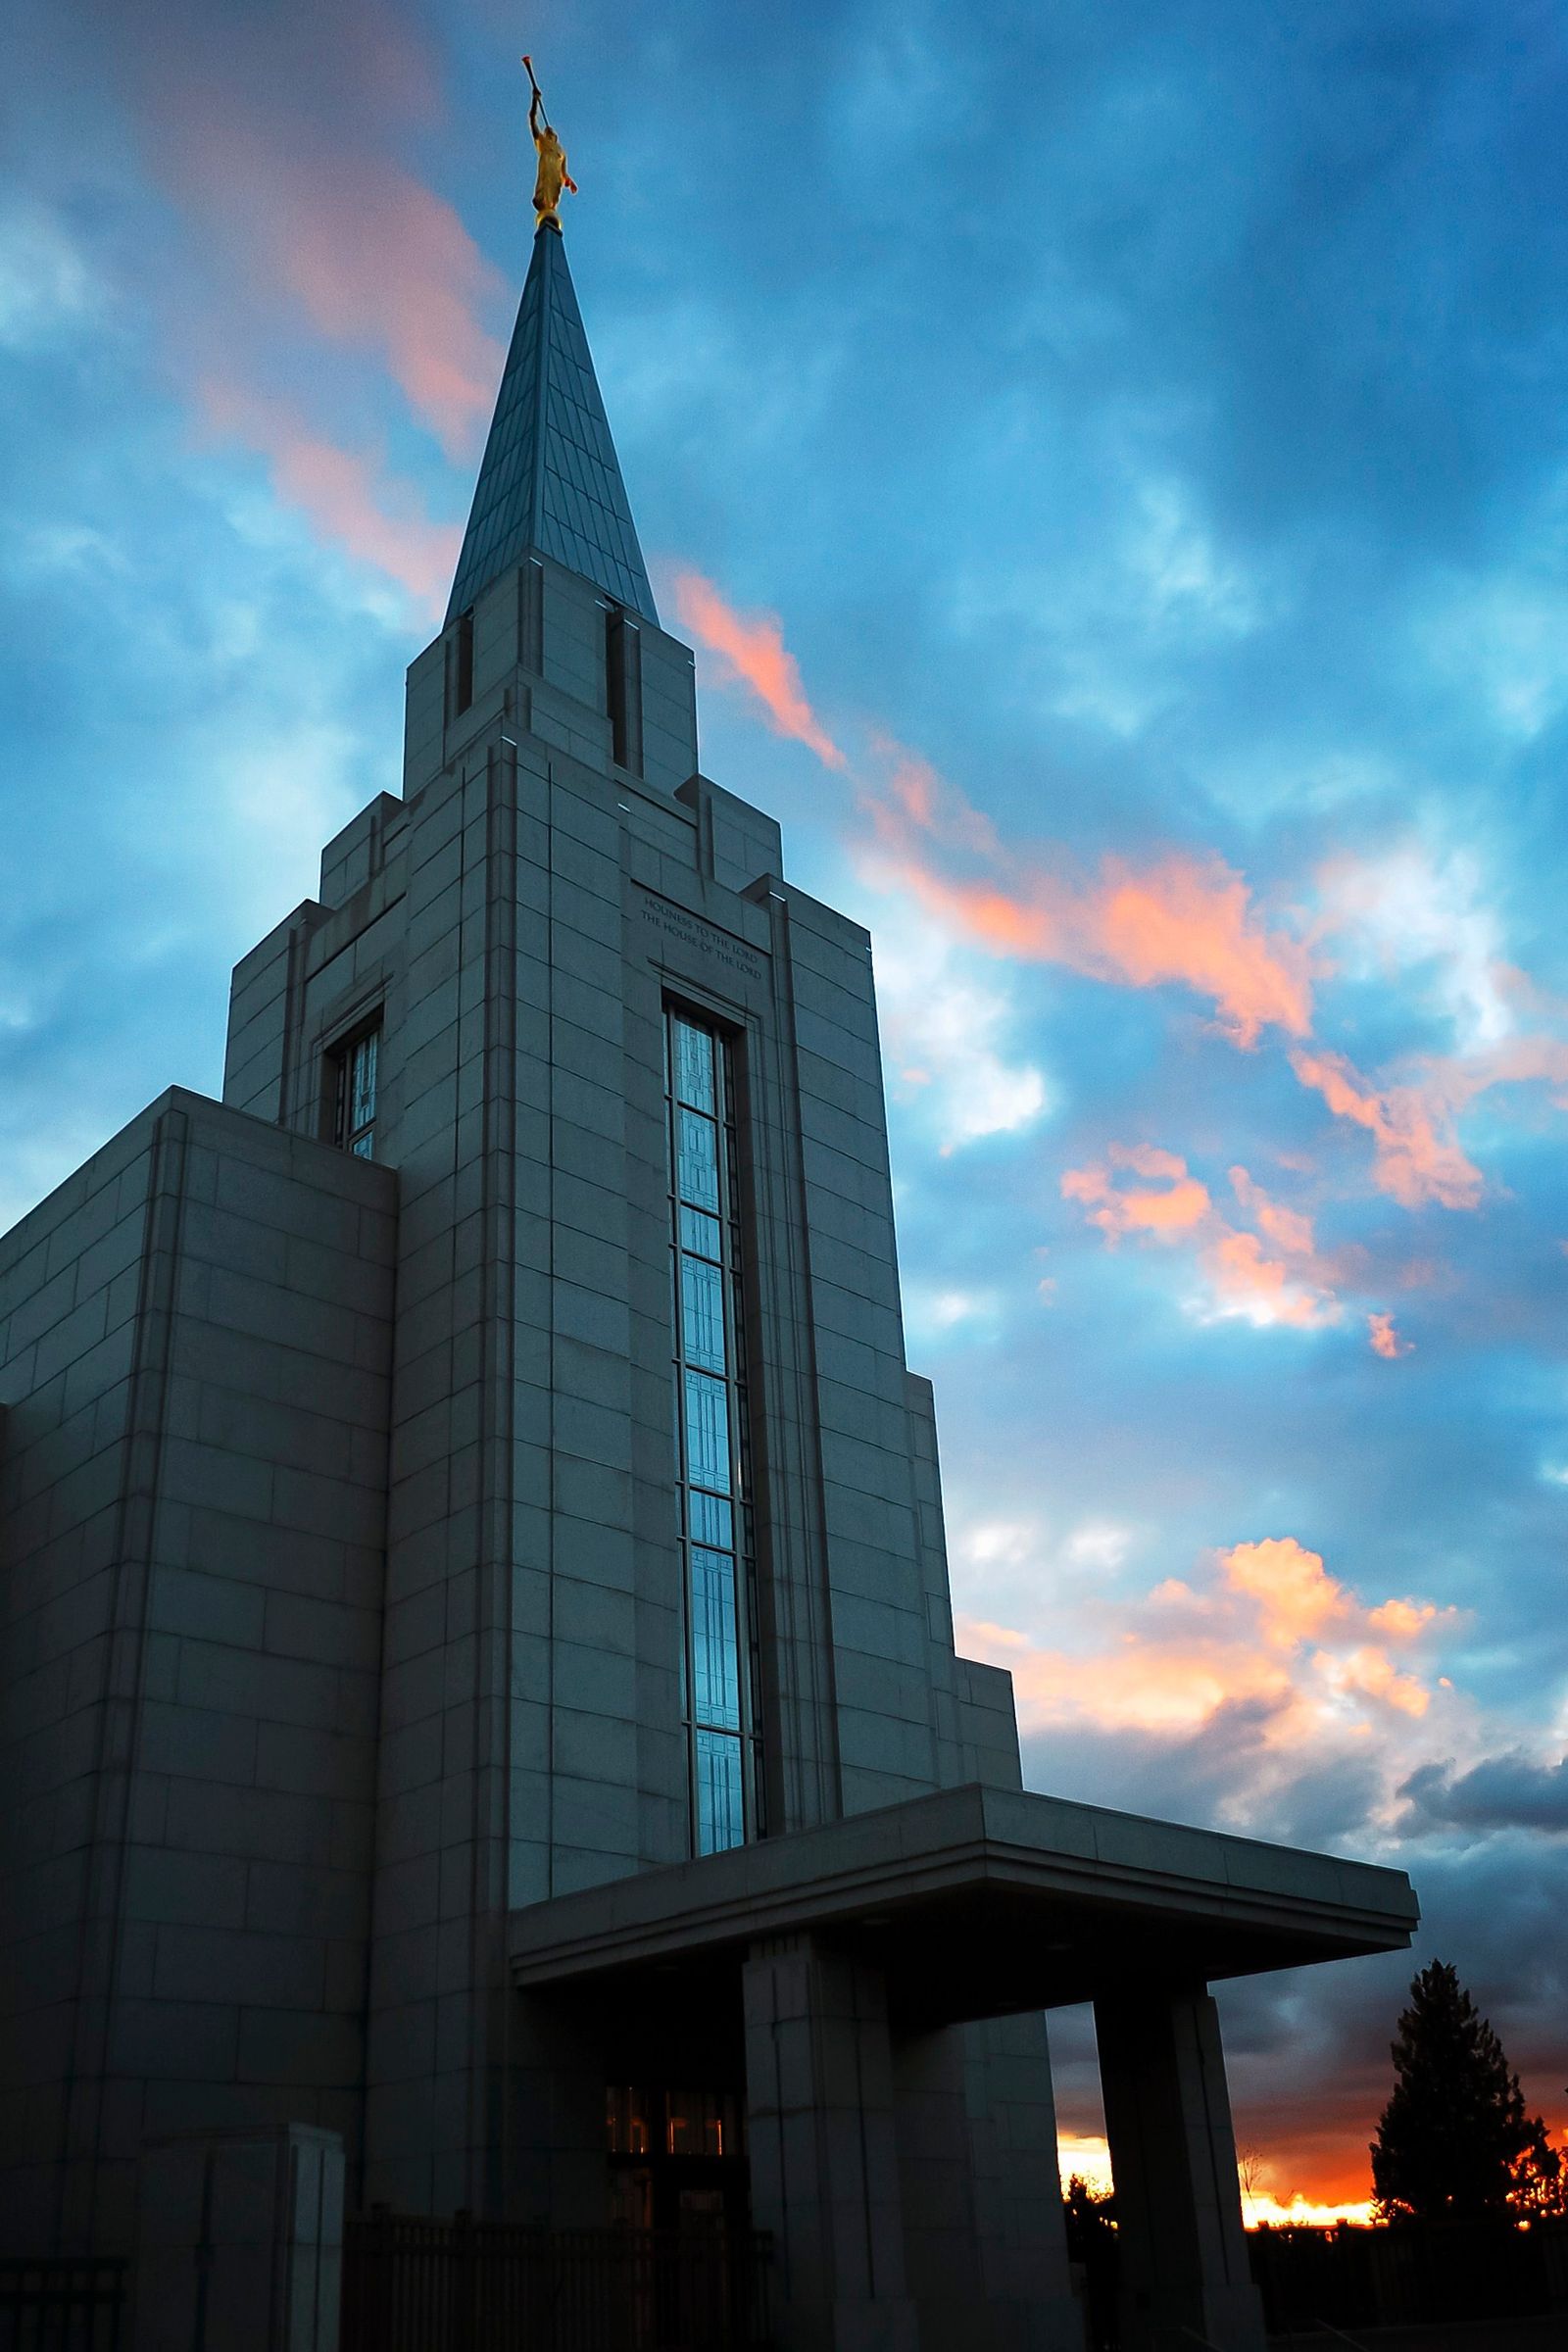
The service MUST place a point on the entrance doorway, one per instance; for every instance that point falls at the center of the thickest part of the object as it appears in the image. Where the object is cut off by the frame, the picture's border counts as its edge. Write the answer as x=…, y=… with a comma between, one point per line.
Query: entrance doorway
x=677, y=2159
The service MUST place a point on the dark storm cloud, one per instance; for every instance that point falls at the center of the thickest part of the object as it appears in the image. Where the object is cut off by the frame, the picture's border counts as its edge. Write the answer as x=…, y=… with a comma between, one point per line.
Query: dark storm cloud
x=1512, y=1791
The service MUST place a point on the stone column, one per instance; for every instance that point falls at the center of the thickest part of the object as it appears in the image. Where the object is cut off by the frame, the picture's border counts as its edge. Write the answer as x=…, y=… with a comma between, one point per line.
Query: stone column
x=824, y=2161
x=1184, y=2266
x=1027, y=2292
x=937, y=2192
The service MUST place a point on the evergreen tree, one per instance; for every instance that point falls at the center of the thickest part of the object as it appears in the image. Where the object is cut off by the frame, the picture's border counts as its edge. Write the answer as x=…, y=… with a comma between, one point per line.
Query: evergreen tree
x=1453, y=2143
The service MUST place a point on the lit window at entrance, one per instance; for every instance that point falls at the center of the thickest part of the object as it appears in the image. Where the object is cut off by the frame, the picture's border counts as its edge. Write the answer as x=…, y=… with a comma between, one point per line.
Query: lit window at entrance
x=677, y=2161
x=710, y=1411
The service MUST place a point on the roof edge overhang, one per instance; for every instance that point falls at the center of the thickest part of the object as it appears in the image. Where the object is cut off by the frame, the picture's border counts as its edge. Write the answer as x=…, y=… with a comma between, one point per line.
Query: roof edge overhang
x=1060, y=1889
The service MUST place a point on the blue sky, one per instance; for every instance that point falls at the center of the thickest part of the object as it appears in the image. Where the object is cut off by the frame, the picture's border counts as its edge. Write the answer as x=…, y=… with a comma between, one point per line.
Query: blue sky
x=1142, y=429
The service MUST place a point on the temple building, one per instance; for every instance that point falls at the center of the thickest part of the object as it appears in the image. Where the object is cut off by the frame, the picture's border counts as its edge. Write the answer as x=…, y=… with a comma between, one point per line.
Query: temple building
x=479, y=1702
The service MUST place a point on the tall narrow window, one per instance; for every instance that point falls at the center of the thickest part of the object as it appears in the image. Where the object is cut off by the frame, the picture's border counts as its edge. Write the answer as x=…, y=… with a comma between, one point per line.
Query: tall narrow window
x=623, y=688
x=713, y=1463
x=354, y=1107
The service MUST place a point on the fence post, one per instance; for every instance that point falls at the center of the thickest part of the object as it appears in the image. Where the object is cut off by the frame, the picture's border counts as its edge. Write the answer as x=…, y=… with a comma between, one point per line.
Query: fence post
x=461, y=2282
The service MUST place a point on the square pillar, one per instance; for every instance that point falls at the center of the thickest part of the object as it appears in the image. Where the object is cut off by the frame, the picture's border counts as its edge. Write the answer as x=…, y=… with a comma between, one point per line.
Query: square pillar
x=1027, y=2290
x=823, y=2158
x=239, y=2242
x=1184, y=2267
x=936, y=2183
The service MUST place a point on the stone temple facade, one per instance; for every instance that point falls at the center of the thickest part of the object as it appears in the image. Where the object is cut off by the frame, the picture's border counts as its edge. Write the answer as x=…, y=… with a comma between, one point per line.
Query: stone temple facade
x=478, y=1682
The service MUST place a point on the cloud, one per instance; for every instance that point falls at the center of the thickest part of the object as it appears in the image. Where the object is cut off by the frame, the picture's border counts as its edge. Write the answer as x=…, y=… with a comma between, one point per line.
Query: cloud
x=1188, y=918
x=1417, y=1157
x=1243, y=1279
x=947, y=1036
x=48, y=289
x=1383, y=1338
x=1405, y=910
x=1180, y=919
x=1264, y=1628
x=348, y=501
x=751, y=650
x=1117, y=1208
x=1246, y=1284
x=375, y=259
x=1507, y=1792
x=1288, y=1228
x=275, y=132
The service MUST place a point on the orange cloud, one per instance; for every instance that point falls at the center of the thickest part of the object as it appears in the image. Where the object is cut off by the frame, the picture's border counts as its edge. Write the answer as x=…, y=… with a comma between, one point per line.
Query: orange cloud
x=1183, y=919
x=1294, y=1593
x=1385, y=1340
x=1265, y=1624
x=1117, y=1210
x=1373, y=1673
x=752, y=649
x=342, y=495
x=1414, y=1161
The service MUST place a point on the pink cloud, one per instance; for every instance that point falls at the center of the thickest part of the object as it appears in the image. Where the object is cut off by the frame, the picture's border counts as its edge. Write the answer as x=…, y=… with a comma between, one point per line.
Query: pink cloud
x=1383, y=1338
x=1285, y=1282
x=1119, y=1209
x=345, y=497
x=1248, y=1283
x=1417, y=1157
x=1180, y=919
x=1287, y=1228
x=752, y=649
x=375, y=259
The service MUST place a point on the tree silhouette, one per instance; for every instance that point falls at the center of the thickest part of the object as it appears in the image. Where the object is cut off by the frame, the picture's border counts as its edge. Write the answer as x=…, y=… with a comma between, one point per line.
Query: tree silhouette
x=1454, y=2142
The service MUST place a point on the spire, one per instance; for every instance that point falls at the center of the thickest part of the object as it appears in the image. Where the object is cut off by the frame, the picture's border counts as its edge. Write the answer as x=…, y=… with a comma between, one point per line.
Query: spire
x=550, y=481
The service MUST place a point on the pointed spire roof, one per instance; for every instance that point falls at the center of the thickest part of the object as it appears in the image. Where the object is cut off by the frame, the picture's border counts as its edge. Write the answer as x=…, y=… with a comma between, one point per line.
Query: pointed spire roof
x=550, y=480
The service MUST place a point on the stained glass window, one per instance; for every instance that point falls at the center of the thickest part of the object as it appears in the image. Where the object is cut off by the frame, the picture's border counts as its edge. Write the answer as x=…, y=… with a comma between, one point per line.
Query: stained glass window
x=694, y=1065
x=720, y=1805
x=715, y=1663
x=707, y=1432
x=710, y=1361
x=355, y=1088
x=697, y=1153
x=702, y=1313
x=700, y=1234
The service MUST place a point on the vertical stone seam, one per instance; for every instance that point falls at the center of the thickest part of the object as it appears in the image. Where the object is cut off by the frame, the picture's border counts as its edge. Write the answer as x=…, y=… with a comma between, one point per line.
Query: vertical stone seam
x=492, y=1676
x=552, y=1496
x=360, y=2165
x=100, y=1951
x=818, y=1645
x=289, y=1108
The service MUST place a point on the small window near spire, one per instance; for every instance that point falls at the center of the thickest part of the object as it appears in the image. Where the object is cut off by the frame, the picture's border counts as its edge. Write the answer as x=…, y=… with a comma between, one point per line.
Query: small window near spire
x=460, y=661
x=355, y=1069
x=623, y=688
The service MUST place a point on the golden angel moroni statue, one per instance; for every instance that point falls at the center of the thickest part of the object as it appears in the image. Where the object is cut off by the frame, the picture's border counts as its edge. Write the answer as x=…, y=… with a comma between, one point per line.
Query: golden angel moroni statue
x=552, y=172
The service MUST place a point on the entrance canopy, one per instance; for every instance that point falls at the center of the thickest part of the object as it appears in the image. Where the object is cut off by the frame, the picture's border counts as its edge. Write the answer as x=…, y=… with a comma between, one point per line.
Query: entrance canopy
x=981, y=1903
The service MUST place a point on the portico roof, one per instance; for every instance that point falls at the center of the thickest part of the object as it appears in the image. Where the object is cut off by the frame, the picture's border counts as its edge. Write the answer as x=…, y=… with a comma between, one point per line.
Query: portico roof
x=983, y=1903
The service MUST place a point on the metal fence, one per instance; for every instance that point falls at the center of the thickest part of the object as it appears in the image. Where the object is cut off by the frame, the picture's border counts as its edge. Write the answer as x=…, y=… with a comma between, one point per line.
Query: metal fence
x=62, y=2305
x=1410, y=2273
x=418, y=2284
